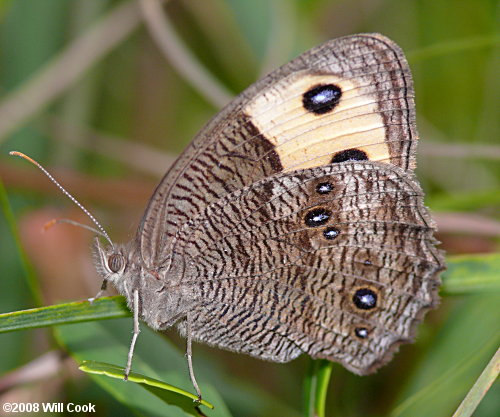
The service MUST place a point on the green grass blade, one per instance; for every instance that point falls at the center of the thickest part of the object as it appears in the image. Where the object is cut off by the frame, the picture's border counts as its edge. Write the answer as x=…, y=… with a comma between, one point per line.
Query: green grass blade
x=155, y=356
x=316, y=387
x=469, y=274
x=480, y=388
x=454, y=46
x=29, y=272
x=76, y=312
x=457, y=355
x=455, y=373
x=168, y=393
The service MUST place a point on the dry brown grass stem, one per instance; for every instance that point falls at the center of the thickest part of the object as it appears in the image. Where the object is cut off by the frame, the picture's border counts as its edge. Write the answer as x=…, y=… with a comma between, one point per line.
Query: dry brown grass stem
x=180, y=57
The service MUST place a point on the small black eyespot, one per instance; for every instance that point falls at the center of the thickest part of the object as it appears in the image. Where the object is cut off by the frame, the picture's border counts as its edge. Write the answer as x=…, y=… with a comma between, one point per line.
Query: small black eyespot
x=115, y=262
x=365, y=299
x=331, y=233
x=361, y=332
x=322, y=98
x=324, y=188
x=317, y=217
x=350, y=155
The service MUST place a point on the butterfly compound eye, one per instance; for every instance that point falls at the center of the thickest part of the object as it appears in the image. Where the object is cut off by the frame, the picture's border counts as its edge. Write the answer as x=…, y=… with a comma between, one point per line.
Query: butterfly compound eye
x=115, y=262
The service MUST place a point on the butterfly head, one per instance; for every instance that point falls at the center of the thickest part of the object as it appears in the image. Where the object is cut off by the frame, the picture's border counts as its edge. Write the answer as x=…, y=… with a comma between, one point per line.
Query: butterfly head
x=113, y=263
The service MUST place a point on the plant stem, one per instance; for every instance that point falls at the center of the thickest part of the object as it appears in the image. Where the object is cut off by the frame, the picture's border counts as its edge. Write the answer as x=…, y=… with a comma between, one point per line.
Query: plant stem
x=316, y=387
x=480, y=388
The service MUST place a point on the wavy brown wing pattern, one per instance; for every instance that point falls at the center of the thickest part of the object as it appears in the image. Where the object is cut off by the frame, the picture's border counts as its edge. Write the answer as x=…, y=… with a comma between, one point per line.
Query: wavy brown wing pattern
x=348, y=99
x=294, y=223
x=337, y=262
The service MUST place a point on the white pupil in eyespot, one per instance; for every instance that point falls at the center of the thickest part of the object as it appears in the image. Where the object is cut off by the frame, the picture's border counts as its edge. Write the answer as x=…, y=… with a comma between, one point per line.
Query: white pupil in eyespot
x=323, y=97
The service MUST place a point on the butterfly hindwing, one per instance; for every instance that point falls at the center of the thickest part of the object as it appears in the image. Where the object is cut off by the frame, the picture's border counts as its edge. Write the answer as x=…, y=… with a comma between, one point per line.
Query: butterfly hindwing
x=336, y=261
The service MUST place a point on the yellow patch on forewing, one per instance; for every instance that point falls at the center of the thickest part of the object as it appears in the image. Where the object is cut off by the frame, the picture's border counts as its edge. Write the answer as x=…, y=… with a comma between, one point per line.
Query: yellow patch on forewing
x=304, y=139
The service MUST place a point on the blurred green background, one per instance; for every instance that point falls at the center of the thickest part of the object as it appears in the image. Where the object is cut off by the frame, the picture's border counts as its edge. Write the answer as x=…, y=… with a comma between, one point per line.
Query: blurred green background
x=87, y=92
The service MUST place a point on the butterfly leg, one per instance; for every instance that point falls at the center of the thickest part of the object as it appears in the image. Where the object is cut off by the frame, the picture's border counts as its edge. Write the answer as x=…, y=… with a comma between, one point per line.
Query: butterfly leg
x=135, y=335
x=104, y=285
x=189, y=356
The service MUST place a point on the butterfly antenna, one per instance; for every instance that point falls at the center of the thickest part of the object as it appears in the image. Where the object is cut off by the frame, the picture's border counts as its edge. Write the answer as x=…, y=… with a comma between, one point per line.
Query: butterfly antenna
x=53, y=222
x=101, y=231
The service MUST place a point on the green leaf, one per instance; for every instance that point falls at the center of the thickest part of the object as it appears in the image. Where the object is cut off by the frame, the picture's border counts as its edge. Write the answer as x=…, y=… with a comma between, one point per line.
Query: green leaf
x=168, y=393
x=469, y=274
x=76, y=312
x=154, y=356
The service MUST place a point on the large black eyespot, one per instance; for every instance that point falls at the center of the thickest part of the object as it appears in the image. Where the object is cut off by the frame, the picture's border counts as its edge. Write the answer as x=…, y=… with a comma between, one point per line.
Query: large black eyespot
x=365, y=299
x=115, y=262
x=317, y=217
x=350, y=155
x=361, y=332
x=324, y=188
x=331, y=233
x=322, y=98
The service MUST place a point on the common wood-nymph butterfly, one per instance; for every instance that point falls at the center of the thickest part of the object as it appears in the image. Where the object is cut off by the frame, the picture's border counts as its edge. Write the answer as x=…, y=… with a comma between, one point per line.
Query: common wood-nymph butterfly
x=293, y=223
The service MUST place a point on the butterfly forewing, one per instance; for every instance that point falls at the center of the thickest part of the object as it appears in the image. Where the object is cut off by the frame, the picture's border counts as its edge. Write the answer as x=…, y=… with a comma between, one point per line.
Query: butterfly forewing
x=283, y=123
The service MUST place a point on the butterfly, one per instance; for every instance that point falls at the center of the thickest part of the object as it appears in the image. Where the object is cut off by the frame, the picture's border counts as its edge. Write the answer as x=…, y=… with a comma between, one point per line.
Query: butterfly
x=293, y=223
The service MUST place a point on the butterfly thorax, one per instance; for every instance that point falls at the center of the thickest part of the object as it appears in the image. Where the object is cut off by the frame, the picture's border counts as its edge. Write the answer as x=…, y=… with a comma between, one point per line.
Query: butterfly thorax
x=162, y=300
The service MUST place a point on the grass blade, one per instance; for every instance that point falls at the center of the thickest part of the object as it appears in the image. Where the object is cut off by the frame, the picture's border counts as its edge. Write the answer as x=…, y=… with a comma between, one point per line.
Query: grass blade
x=480, y=388
x=454, y=359
x=316, y=387
x=168, y=393
x=108, y=342
x=76, y=312
x=25, y=263
x=451, y=47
